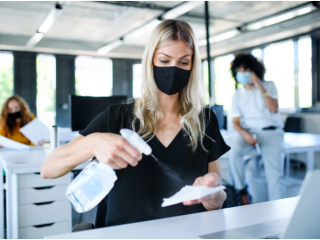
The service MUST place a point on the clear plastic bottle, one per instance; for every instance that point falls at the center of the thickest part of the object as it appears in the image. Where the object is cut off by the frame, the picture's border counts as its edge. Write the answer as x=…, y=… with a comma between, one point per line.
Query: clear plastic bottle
x=97, y=179
x=93, y=183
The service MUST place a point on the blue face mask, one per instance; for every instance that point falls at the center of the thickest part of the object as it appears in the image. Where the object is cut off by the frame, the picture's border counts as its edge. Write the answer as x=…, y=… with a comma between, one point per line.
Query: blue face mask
x=243, y=77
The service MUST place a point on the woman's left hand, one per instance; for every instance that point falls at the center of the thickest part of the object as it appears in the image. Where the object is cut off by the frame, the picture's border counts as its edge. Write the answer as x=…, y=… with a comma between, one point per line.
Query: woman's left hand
x=41, y=142
x=211, y=179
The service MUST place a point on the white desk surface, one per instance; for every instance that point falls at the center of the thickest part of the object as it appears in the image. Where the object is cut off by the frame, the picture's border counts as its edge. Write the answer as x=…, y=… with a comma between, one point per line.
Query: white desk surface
x=194, y=225
x=301, y=140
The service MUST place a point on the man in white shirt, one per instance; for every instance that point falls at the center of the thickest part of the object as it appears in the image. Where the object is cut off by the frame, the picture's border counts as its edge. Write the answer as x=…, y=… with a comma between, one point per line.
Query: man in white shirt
x=256, y=120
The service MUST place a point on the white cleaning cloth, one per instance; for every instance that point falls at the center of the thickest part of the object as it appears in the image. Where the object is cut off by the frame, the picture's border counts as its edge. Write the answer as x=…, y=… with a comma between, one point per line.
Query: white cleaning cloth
x=190, y=193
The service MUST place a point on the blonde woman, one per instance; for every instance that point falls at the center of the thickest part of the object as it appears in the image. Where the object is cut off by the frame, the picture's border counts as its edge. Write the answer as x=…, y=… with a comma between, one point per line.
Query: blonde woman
x=172, y=117
x=15, y=113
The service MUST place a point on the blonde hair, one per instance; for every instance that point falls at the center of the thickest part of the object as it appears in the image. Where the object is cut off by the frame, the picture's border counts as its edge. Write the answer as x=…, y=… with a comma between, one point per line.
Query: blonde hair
x=191, y=98
x=26, y=115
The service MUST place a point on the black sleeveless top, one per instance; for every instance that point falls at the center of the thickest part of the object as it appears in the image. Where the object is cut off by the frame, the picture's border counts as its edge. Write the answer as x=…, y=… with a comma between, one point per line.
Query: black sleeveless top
x=139, y=191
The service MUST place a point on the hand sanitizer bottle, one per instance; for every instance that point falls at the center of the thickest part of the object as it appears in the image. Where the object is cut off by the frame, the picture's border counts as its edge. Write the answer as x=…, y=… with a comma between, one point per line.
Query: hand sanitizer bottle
x=97, y=179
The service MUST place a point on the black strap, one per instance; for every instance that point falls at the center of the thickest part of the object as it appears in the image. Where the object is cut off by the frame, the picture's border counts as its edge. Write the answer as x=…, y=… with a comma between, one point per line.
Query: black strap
x=270, y=128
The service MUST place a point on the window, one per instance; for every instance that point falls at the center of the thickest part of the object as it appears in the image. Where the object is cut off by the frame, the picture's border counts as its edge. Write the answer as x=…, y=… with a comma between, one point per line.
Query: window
x=6, y=76
x=205, y=75
x=93, y=76
x=224, y=84
x=46, y=88
x=137, y=80
x=279, y=63
x=257, y=53
x=304, y=73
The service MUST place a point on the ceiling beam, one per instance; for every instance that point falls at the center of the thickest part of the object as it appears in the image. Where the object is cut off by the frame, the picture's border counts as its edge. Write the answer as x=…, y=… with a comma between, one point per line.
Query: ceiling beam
x=136, y=5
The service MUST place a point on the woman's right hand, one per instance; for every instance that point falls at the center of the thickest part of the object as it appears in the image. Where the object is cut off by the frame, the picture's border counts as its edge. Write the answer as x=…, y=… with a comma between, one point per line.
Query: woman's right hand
x=114, y=150
x=249, y=138
x=1, y=146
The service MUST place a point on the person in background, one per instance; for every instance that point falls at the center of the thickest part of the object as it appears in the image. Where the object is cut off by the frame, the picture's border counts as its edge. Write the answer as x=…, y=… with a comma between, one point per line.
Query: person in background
x=256, y=120
x=15, y=114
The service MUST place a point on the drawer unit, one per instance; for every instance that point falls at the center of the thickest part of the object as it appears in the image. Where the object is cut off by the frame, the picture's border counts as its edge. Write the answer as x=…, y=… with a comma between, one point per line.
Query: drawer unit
x=56, y=211
x=43, y=194
x=43, y=208
x=35, y=180
x=44, y=230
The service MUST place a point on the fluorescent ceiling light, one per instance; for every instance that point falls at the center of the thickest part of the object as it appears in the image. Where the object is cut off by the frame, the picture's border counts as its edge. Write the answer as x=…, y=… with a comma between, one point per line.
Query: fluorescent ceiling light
x=280, y=18
x=181, y=9
x=50, y=19
x=140, y=31
x=224, y=36
x=34, y=39
x=219, y=37
x=107, y=48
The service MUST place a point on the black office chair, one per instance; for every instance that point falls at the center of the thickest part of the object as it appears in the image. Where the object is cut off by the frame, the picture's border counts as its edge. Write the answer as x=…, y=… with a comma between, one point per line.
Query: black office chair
x=293, y=124
x=100, y=218
x=218, y=110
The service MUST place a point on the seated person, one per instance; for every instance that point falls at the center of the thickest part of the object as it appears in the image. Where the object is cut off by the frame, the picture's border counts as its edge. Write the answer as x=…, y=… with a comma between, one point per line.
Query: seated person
x=15, y=113
x=255, y=113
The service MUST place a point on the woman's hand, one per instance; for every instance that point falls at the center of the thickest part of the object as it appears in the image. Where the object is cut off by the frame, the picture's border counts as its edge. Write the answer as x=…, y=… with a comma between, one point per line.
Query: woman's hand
x=212, y=201
x=1, y=146
x=114, y=150
x=249, y=138
x=41, y=142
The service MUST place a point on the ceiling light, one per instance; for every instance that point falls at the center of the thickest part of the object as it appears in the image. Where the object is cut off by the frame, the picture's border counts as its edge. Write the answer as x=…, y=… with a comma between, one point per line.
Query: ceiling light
x=140, y=31
x=224, y=36
x=219, y=37
x=107, y=48
x=50, y=19
x=280, y=18
x=181, y=9
x=34, y=39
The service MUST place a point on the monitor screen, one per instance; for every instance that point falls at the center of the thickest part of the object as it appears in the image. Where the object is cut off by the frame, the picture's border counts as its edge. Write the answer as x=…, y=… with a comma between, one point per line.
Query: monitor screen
x=84, y=109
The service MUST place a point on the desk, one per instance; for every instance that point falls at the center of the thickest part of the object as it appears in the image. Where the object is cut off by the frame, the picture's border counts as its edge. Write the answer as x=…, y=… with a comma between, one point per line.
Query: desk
x=295, y=143
x=302, y=143
x=16, y=163
x=194, y=225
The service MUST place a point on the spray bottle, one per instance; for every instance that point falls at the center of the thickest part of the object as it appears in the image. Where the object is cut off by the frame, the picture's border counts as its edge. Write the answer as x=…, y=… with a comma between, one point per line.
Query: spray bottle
x=97, y=179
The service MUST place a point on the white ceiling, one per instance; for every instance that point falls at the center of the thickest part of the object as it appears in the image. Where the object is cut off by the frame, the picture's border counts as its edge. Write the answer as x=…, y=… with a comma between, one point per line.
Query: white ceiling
x=83, y=27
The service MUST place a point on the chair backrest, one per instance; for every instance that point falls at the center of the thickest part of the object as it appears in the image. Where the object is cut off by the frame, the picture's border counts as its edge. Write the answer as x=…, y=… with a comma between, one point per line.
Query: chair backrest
x=218, y=110
x=101, y=213
x=293, y=124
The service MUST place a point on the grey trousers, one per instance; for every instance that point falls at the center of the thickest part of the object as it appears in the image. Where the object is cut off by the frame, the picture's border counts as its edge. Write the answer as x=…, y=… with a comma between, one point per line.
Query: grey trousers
x=272, y=152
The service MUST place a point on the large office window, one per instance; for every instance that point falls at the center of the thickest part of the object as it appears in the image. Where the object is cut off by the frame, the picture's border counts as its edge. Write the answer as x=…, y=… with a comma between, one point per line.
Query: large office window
x=257, y=52
x=224, y=84
x=93, y=76
x=137, y=80
x=304, y=72
x=205, y=75
x=279, y=63
x=46, y=88
x=6, y=76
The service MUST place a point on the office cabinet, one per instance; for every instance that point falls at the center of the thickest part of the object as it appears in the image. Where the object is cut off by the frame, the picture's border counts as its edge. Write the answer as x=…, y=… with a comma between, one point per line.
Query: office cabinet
x=43, y=208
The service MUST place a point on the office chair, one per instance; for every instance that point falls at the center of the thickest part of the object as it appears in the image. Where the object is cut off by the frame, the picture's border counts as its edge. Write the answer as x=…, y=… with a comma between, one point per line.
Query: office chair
x=293, y=124
x=218, y=110
x=100, y=218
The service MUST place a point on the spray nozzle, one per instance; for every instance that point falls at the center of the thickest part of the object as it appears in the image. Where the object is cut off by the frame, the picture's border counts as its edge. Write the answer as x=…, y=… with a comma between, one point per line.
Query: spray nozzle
x=135, y=140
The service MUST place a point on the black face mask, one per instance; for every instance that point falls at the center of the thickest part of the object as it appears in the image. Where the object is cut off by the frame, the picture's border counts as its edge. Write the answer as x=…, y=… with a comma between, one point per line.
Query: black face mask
x=170, y=80
x=14, y=116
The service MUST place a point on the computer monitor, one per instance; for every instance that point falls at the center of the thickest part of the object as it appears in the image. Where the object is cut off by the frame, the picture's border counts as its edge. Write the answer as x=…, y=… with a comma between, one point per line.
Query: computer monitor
x=84, y=109
x=218, y=110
